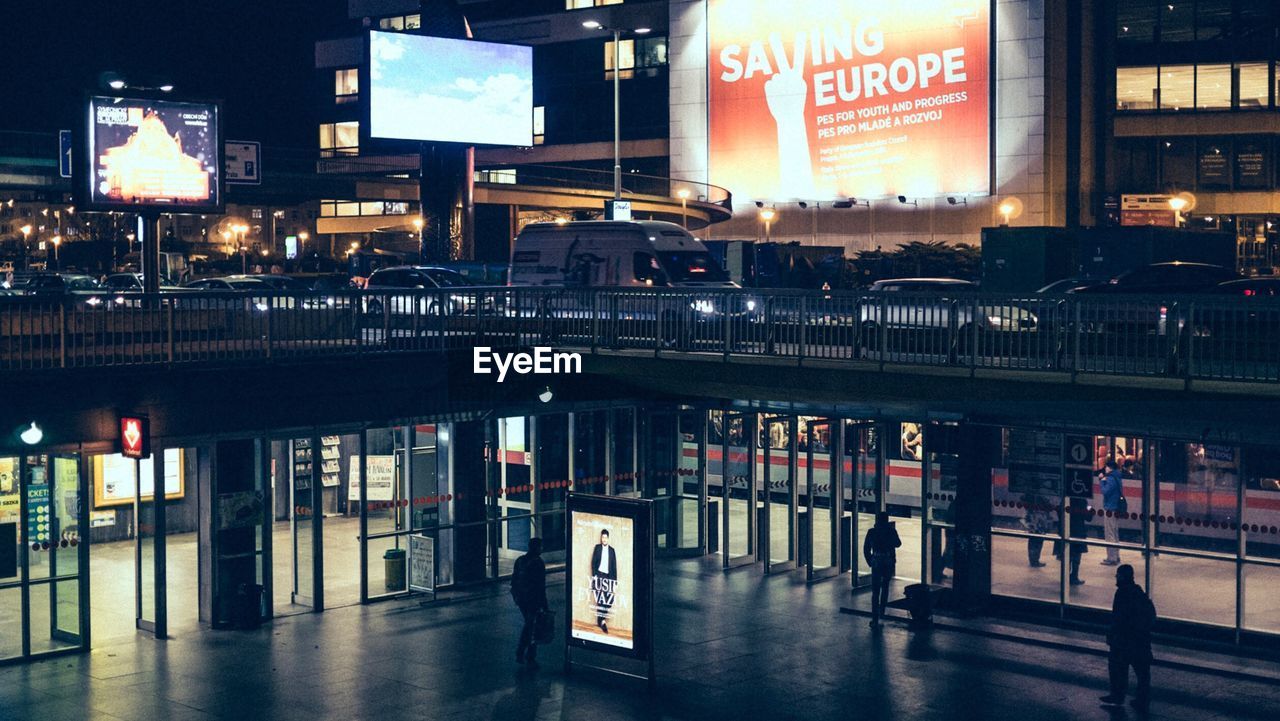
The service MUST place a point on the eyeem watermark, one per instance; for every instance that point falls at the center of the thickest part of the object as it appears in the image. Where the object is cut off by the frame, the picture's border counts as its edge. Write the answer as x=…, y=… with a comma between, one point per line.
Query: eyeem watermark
x=542, y=361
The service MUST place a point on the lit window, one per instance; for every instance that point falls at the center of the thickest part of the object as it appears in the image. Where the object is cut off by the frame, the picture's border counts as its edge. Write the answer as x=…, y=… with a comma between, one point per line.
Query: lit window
x=339, y=139
x=540, y=126
x=346, y=85
x=1213, y=86
x=395, y=23
x=580, y=4
x=412, y=22
x=1177, y=87
x=1253, y=85
x=1136, y=88
x=626, y=58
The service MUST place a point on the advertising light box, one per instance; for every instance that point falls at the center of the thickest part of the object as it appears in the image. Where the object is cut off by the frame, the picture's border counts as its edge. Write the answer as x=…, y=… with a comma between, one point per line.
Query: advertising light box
x=609, y=572
x=866, y=98
x=149, y=153
x=445, y=90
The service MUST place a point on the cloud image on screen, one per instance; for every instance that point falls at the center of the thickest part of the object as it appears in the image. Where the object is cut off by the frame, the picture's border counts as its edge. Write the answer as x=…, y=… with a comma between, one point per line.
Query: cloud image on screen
x=461, y=91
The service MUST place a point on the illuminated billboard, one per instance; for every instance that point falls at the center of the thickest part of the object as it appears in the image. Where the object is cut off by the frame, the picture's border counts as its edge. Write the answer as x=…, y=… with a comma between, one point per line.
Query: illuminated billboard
x=610, y=572
x=151, y=153
x=813, y=99
x=446, y=90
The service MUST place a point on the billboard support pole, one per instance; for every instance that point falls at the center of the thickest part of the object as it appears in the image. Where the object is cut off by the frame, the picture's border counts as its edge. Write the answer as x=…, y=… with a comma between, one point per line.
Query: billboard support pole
x=149, y=235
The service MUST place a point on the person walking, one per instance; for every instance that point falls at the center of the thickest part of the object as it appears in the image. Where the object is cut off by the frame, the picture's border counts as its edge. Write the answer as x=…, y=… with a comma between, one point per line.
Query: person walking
x=879, y=548
x=529, y=590
x=1112, y=500
x=1037, y=520
x=1129, y=639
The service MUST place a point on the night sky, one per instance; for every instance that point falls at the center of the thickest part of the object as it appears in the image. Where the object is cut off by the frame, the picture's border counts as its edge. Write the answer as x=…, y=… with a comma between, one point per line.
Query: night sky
x=256, y=55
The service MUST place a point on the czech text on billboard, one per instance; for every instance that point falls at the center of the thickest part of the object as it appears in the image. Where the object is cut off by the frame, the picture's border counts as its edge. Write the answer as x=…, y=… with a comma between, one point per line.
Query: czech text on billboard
x=865, y=98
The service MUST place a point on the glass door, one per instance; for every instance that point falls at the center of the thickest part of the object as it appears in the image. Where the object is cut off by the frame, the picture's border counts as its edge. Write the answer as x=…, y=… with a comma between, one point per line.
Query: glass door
x=149, y=546
x=688, y=485
x=738, y=476
x=864, y=466
x=822, y=491
x=43, y=598
x=304, y=524
x=779, y=518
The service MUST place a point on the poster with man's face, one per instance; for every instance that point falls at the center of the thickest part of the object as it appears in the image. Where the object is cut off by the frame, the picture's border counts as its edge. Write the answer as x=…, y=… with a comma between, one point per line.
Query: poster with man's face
x=603, y=584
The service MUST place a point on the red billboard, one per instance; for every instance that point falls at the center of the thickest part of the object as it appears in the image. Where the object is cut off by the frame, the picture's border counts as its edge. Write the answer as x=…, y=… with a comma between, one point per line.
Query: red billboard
x=815, y=99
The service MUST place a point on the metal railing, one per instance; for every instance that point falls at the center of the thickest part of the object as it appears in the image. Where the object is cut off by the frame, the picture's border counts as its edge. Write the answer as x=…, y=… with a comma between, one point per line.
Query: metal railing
x=1188, y=337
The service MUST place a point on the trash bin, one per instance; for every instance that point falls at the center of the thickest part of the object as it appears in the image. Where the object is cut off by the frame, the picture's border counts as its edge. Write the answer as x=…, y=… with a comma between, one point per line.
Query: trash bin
x=248, y=610
x=393, y=561
x=921, y=599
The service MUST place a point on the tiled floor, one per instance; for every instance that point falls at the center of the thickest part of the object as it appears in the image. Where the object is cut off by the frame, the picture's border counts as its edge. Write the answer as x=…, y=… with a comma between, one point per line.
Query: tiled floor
x=729, y=646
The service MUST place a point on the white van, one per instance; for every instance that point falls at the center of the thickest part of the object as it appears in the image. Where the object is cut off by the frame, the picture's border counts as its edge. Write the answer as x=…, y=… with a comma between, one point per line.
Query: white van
x=613, y=254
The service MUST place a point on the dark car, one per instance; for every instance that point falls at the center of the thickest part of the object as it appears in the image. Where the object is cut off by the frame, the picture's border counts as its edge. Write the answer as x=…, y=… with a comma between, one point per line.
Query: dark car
x=1069, y=285
x=51, y=284
x=275, y=281
x=1175, y=278
x=420, y=277
x=1250, y=288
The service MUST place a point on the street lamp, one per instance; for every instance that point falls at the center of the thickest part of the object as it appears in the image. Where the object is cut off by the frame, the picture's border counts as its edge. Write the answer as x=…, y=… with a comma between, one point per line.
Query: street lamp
x=57, y=241
x=418, y=224
x=1006, y=209
x=617, y=74
x=683, y=194
x=767, y=215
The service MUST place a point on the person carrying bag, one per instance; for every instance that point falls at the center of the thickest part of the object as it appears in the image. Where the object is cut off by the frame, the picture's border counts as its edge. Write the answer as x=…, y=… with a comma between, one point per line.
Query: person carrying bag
x=529, y=591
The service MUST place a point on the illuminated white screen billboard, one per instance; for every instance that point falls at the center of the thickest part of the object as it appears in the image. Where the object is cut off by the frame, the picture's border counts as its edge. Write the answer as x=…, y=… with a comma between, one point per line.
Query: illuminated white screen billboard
x=812, y=99
x=162, y=154
x=445, y=90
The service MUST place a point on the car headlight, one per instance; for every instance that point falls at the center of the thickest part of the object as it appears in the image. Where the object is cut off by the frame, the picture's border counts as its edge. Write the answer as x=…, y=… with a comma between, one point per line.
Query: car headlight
x=703, y=306
x=119, y=300
x=95, y=301
x=998, y=320
x=329, y=302
x=261, y=306
x=751, y=304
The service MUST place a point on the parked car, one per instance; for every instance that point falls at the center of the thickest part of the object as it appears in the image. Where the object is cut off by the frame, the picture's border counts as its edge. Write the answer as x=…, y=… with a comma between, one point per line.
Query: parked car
x=1174, y=278
x=1068, y=285
x=385, y=281
x=228, y=283
x=922, y=313
x=56, y=284
x=1250, y=288
x=1159, y=313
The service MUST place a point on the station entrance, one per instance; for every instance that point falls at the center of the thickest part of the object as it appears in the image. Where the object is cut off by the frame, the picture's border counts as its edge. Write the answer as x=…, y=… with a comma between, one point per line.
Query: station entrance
x=234, y=531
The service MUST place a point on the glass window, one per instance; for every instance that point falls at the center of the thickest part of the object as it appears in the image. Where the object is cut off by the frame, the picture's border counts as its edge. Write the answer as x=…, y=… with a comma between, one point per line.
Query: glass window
x=1178, y=163
x=1215, y=163
x=1201, y=590
x=540, y=124
x=339, y=139
x=1262, y=503
x=652, y=52
x=1198, y=486
x=1136, y=88
x=626, y=58
x=346, y=84
x=579, y=4
x=1262, y=598
x=1177, y=87
x=1253, y=85
x=1136, y=21
x=1213, y=86
x=1213, y=19
x=1177, y=22
x=395, y=23
x=412, y=22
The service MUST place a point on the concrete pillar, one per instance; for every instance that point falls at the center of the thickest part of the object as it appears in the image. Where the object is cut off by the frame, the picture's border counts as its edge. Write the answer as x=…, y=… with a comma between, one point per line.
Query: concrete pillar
x=972, y=507
x=467, y=481
x=225, y=467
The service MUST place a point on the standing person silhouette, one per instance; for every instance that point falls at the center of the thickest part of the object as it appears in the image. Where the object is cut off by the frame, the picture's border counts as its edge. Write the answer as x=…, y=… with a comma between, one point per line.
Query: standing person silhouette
x=1129, y=638
x=879, y=548
x=604, y=577
x=529, y=590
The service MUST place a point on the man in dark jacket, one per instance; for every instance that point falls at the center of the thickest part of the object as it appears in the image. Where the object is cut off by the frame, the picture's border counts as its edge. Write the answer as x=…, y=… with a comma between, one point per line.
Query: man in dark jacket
x=1112, y=484
x=529, y=590
x=604, y=578
x=879, y=548
x=1129, y=637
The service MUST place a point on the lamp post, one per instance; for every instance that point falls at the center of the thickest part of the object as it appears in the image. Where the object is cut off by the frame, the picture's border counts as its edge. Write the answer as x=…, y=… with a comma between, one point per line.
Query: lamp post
x=617, y=90
x=683, y=194
x=57, y=241
x=26, y=237
x=1006, y=210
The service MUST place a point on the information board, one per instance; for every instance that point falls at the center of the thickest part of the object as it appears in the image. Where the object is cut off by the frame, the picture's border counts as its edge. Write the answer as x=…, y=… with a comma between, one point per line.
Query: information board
x=610, y=575
x=422, y=563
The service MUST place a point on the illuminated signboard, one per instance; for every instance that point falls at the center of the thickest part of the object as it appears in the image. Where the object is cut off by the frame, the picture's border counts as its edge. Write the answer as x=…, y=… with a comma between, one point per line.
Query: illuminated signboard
x=458, y=91
x=610, y=573
x=135, y=437
x=819, y=100
x=148, y=153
